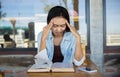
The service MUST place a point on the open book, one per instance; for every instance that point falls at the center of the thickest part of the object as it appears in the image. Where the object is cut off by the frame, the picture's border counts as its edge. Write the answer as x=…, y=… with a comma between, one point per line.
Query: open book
x=55, y=67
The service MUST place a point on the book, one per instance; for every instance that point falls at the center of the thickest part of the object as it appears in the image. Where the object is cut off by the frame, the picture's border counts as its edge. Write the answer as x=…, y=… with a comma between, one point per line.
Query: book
x=86, y=69
x=54, y=67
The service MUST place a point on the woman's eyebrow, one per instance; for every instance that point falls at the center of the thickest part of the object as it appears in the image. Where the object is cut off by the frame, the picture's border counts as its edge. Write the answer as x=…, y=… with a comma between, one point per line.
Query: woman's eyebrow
x=61, y=24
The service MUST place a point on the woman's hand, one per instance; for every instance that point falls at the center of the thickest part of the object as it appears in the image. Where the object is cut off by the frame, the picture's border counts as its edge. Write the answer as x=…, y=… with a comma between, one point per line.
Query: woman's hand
x=73, y=30
x=45, y=33
x=46, y=30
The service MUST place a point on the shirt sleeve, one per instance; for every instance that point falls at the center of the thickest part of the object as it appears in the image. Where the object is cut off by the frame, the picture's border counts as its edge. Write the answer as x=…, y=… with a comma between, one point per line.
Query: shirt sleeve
x=42, y=57
x=78, y=63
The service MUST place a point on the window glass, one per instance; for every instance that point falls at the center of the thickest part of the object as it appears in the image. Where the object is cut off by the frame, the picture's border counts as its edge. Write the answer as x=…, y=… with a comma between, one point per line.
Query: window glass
x=22, y=20
x=82, y=23
x=113, y=22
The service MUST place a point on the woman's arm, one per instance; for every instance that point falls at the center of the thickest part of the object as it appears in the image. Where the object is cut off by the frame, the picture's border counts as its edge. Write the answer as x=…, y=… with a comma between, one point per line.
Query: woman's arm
x=78, y=50
x=42, y=56
x=45, y=33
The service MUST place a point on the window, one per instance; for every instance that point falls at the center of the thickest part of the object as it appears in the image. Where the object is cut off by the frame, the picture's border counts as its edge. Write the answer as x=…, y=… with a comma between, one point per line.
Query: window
x=24, y=19
x=112, y=22
x=82, y=23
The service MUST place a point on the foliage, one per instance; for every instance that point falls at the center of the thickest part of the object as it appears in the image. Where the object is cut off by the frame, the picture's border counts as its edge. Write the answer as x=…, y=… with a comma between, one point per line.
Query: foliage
x=47, y=7
x=1, y=13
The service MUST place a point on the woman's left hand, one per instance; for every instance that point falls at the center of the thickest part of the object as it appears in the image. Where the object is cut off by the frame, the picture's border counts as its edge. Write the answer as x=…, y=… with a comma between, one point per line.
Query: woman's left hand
x=73, y=30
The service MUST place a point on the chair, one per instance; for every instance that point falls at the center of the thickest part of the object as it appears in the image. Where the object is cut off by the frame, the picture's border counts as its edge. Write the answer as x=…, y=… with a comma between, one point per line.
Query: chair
x=84, y=53
x=84, y=50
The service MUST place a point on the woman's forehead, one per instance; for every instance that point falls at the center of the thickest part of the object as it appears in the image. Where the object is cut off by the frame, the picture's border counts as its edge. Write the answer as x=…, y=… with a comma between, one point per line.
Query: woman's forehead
x=59, y=20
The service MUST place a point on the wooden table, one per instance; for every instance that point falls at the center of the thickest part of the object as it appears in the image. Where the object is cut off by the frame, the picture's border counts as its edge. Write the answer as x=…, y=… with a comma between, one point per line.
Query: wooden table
x=77, y=73
x=23, y=73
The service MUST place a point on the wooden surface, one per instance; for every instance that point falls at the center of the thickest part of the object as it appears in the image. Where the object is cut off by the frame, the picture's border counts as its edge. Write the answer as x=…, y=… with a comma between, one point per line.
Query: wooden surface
x=1, y=74
x=23, y=73
x=77, y=73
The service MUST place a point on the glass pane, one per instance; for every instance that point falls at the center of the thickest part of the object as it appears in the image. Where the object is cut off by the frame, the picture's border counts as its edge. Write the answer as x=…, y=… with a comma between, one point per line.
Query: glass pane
x=82, y=23
x=113, y=22
x=24, y=19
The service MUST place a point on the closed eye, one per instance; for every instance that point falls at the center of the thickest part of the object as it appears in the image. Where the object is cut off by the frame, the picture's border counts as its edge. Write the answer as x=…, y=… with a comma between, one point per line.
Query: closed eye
x=63, y=25
x=54, y=25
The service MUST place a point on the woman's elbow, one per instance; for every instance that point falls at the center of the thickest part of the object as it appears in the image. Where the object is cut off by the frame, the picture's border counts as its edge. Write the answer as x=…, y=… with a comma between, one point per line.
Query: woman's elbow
x=79, y=62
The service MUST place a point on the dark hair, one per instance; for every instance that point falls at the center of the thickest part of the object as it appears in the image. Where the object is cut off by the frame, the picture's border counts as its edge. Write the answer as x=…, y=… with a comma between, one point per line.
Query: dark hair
x=58, y=11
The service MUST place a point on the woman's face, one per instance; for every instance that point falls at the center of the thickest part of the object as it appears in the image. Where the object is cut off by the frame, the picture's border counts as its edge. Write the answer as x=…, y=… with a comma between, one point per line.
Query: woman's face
x=59, y=26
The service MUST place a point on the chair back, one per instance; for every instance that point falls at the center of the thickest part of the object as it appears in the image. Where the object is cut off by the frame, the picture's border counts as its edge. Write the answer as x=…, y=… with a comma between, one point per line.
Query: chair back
x=1, y=74
x=84, y=49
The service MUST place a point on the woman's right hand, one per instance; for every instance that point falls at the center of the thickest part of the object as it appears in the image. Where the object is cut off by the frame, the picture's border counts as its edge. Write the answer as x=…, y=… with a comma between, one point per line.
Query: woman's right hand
x=46, y=30
x=45, y=33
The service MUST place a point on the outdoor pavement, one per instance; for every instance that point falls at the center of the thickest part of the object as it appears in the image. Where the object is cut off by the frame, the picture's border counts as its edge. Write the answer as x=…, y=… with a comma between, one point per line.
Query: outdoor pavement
x=112, y=65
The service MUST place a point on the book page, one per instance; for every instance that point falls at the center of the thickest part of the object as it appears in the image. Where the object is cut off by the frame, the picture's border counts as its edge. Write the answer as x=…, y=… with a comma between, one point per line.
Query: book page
x=62, y=67
x=40, y=68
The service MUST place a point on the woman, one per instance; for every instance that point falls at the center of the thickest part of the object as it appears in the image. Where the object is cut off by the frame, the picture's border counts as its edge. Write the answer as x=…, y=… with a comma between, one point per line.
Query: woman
x=59, y=41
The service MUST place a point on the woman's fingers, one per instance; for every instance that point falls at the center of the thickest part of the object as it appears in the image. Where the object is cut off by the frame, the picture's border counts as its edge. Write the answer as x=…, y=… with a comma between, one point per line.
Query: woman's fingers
x=50, y=24
x=72, y=29
x=68, y=24
x=48, y=27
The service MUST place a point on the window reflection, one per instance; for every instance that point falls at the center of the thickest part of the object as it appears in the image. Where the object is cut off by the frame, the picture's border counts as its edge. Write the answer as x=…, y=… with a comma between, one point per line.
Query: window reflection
x=112, y=22
x=24, y=19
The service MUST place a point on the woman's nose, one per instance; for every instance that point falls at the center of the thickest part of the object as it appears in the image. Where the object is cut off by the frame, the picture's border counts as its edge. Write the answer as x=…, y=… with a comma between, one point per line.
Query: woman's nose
x=59, y=29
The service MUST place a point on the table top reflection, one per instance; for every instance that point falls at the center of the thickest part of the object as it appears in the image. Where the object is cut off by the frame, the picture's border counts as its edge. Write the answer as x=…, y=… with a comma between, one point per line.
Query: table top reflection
x=21, y=71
